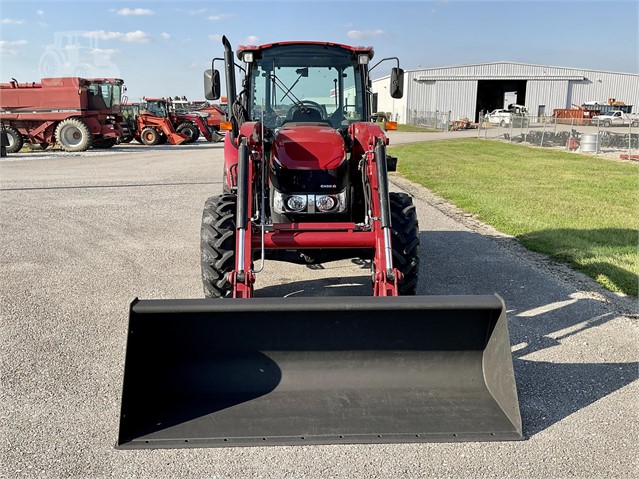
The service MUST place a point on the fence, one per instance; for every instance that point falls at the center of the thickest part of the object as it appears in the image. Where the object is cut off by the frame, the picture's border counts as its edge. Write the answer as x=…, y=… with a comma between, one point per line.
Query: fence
x=437, y=120
x=573, y=134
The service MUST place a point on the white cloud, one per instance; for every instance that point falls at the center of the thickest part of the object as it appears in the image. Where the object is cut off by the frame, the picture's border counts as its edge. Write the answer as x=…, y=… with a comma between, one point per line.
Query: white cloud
x=251, y=40
x=40, y=12
x=199, y=11
x=215, y=38
x=6, y=47
x=137, y=36
x=135, y=11
x=360, y=35
x=219, y=16
x=11, y=21
x=165, y=36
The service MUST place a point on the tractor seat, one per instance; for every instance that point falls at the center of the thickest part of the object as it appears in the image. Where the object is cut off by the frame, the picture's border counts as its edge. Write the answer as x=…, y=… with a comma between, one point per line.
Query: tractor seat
x=311, y=114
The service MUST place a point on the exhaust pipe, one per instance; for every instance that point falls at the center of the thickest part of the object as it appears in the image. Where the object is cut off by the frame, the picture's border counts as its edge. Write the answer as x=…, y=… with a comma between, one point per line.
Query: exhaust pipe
x=273, y=371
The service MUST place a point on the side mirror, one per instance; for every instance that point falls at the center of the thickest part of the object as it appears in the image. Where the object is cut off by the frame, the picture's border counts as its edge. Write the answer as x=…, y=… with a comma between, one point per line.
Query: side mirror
x=212, y=84
x=397, y=83
x=374, y=105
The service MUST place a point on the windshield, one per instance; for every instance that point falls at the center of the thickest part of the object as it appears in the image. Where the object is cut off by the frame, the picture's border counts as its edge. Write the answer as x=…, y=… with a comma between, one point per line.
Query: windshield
x=306, y=83
x=117, y=94
x=104, y=96
x=157, y=108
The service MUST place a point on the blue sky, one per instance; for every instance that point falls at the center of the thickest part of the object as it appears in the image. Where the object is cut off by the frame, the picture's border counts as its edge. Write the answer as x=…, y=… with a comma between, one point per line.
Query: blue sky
x=160, y=48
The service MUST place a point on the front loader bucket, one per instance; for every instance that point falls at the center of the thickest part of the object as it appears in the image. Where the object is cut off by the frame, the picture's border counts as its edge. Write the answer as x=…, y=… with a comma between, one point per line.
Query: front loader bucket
x=273, y=371
x=176, y=138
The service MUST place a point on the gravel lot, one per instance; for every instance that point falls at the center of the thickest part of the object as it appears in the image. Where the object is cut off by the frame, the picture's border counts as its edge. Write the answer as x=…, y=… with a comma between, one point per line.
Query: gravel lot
x=83, y=234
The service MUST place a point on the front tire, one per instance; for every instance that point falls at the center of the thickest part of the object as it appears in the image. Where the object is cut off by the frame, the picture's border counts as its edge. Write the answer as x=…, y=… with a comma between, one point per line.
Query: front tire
x=149, y=136
x=217, y=244
x=15, y=139
x=73, y=135
x=405, y=241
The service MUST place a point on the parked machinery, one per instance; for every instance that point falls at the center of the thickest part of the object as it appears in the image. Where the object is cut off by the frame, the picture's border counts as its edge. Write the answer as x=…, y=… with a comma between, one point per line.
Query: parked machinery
x=77, y=113
x=306, y=179
x=154, y=125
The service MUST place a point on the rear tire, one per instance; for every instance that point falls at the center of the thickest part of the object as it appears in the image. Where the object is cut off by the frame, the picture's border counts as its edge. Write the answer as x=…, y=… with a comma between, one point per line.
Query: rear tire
x=149, y=136
x=73, y=135
x=405, y=240
x=189, y=129
x=217, y=245
x=15, y=139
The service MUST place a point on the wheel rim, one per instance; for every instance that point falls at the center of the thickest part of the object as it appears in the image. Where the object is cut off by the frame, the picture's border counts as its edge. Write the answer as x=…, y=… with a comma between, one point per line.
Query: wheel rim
x=71, y=135
x=149, y=136
x=12, y=140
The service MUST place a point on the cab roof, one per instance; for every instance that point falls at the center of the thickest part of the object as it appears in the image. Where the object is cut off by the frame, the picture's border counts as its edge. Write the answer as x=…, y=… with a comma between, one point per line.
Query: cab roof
x=254, y=48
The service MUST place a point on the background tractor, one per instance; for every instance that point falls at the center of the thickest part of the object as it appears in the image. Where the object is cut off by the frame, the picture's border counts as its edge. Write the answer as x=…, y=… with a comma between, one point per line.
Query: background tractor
x=154, y=125
x=306, y=180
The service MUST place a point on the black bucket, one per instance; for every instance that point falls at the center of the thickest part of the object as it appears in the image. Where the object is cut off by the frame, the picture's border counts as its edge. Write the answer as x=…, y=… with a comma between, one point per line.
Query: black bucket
x=272, y=371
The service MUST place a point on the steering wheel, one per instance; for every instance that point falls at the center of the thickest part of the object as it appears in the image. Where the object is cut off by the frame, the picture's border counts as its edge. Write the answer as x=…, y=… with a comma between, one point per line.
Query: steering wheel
x=303, y=103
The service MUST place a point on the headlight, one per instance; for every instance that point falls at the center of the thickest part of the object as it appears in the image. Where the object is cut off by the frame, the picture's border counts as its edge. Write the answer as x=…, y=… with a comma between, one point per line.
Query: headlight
x=325, y=203
x=331, y=203
x=309, y=204
x=296, y=203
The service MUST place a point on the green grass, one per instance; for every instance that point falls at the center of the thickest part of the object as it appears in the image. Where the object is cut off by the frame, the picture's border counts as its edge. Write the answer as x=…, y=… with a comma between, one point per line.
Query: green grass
x=577, y=209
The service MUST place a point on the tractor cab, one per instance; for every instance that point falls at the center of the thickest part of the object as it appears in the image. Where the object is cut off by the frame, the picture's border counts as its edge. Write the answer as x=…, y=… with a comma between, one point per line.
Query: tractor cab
x=301, y=83
x=155, y=107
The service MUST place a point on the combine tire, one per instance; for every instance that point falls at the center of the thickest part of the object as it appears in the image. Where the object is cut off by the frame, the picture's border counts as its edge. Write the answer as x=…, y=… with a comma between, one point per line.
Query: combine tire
x=405, y=239
x=217, y=246
x=73, y=135
x=149, y=136
x=104, y=143
x=15, y=139
x=189, y=129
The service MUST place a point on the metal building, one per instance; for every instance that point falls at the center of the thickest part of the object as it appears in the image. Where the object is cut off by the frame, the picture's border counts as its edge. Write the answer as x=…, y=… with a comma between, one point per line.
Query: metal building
x=466, y=90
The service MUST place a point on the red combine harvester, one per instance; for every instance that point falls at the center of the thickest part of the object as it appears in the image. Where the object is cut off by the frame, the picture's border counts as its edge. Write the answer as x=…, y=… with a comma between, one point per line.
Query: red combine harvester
x=306, y=179
x=76, y=112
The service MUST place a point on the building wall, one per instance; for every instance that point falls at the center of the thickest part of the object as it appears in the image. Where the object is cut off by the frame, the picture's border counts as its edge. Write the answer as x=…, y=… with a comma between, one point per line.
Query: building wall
x=386, y=103
x=454, y=88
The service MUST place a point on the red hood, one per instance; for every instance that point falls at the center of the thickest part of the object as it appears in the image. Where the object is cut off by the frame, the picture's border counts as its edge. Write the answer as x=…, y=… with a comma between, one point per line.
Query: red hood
x=309, y=147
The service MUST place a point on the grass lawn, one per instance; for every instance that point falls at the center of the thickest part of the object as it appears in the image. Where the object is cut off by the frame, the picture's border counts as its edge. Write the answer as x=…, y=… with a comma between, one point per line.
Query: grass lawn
x=578, y=209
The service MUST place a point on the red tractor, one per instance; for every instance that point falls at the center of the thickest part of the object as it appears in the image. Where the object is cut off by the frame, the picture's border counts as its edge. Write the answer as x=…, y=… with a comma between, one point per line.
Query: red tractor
x=77, y=113
x=195, y=119
x=306, y=180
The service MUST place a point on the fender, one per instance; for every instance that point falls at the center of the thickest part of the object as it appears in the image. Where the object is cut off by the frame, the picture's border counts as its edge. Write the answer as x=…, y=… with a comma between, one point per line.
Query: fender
x=363, y=134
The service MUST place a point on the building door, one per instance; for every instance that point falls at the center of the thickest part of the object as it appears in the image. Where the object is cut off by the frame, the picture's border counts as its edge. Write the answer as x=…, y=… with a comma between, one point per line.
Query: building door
x=541, y=111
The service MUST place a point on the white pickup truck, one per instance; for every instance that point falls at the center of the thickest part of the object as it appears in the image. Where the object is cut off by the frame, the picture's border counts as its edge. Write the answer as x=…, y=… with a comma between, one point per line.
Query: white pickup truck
x=615, y=118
